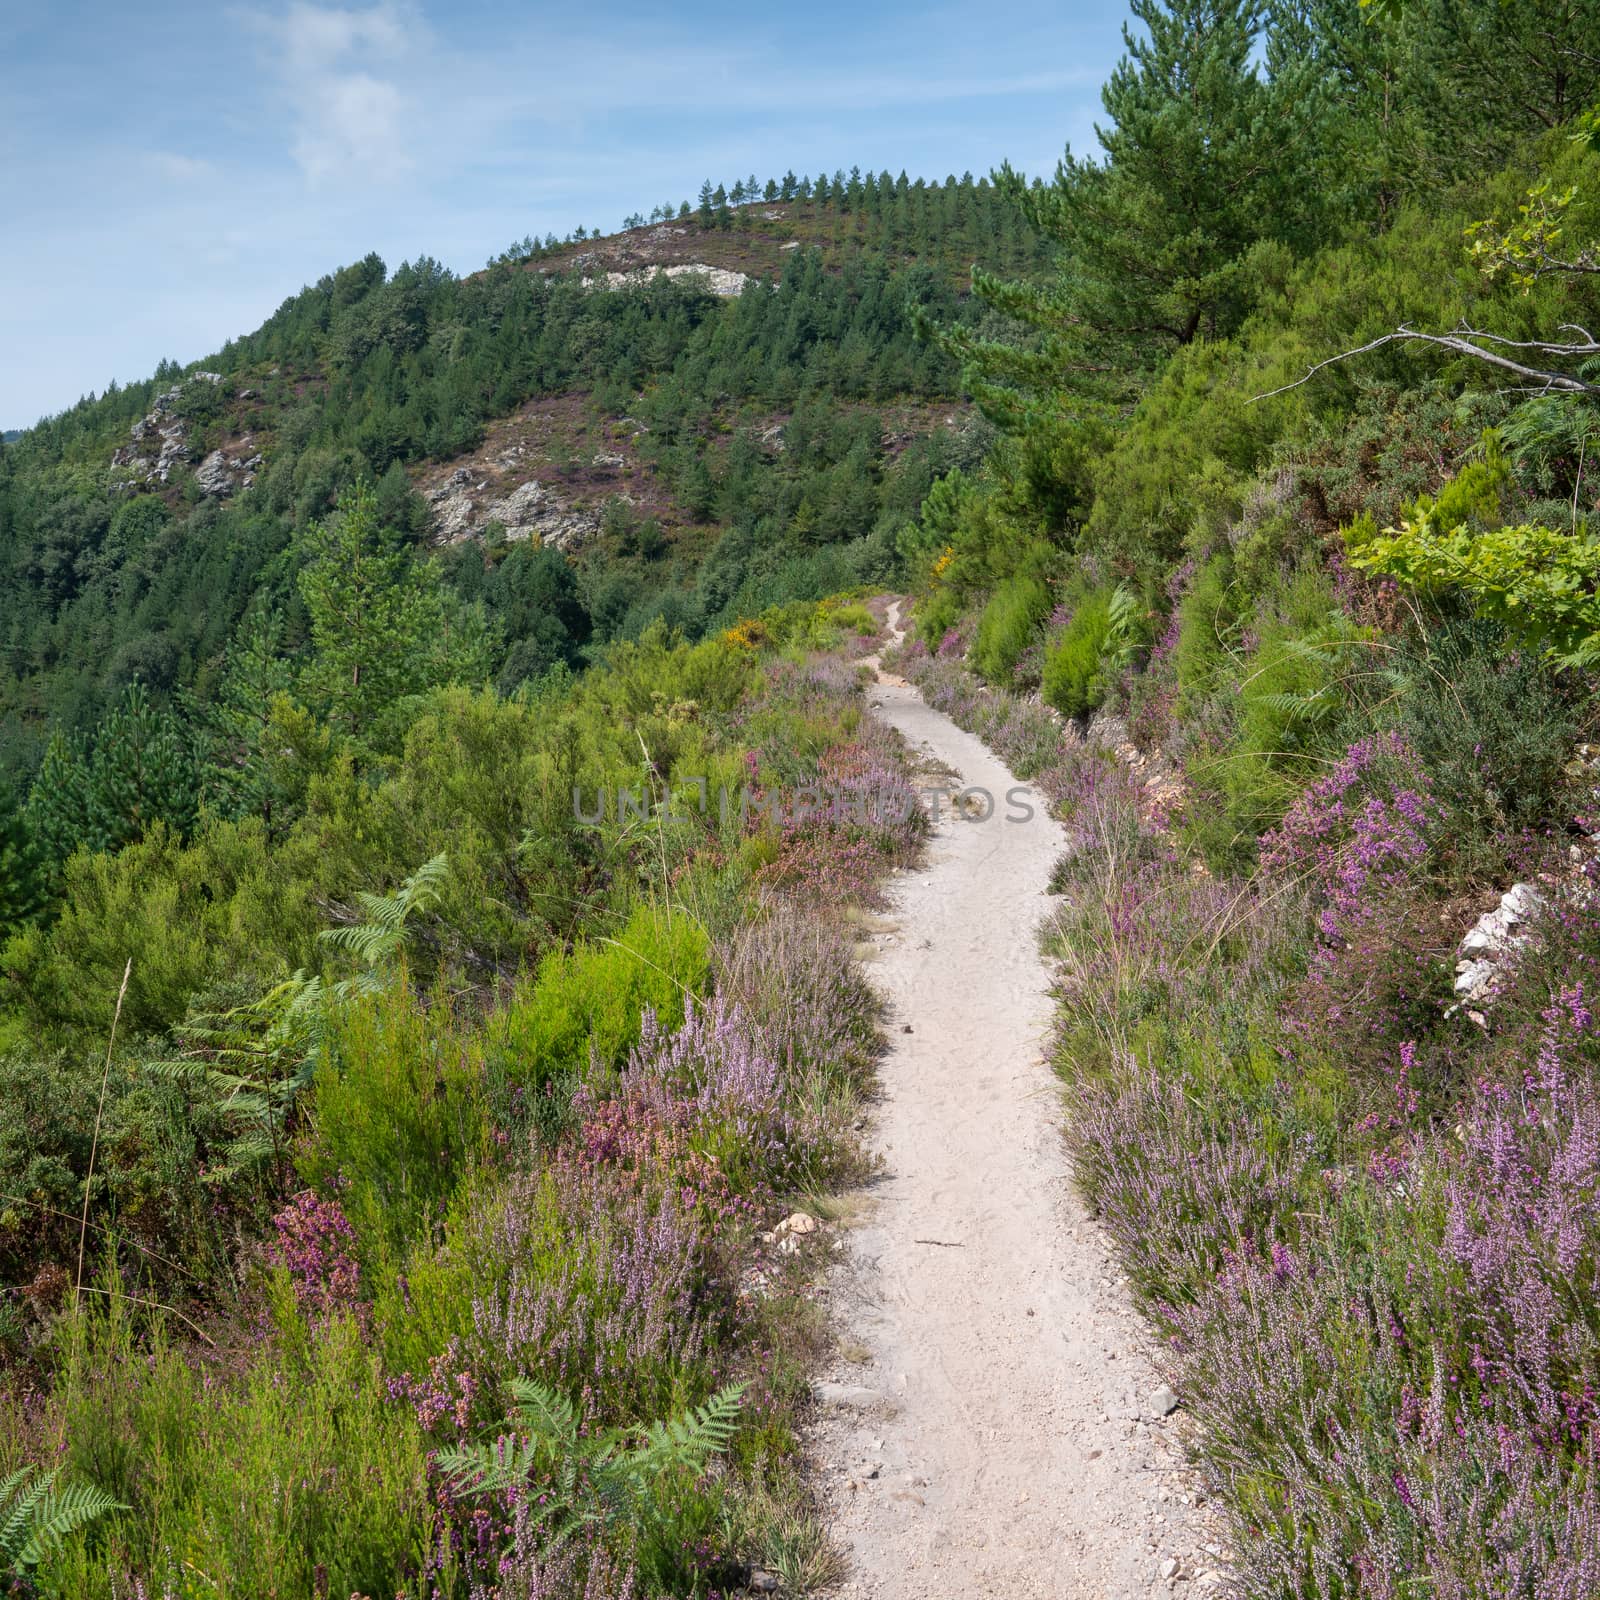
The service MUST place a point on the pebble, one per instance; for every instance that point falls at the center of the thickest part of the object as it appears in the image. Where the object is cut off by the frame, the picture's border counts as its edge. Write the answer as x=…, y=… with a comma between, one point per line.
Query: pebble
x=764, y=1582
x=1170, y=1568
x=1163, y=1402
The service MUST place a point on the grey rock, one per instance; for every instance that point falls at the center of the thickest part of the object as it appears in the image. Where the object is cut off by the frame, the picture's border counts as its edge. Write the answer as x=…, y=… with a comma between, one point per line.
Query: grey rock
x=530, y=511
x=1163, y=1402
x=764, y=1582
x=847, y=1396
x=215, y=475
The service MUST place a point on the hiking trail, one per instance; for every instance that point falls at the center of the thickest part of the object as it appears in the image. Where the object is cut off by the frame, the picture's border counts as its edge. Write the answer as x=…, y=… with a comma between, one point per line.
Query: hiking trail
x=992, y=1428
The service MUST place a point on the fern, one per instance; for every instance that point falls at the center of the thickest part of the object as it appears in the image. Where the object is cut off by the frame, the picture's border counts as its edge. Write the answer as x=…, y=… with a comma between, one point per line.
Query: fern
x=615, y=1476
x=1127, y=627
x=254, y=1061
x=382, y=936
x=35, y=1517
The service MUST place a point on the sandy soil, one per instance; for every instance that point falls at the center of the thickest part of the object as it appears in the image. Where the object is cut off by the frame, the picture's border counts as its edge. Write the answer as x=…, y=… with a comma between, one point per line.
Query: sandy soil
x=992, y=1427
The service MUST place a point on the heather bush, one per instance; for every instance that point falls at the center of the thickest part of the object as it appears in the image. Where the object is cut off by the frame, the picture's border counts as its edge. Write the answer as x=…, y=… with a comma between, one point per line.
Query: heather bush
x=291, y=1473
x=1009, y=621
x=1494, y=729
x=599, y=1280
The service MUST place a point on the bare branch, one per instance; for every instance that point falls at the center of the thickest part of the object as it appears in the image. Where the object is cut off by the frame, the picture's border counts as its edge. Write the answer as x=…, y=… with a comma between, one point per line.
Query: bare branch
x=1461, y=343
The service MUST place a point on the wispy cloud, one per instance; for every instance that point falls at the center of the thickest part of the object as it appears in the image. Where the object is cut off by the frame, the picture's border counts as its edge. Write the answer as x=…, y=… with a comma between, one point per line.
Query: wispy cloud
x=172, y=166
x=340, y=72
x=236, y=153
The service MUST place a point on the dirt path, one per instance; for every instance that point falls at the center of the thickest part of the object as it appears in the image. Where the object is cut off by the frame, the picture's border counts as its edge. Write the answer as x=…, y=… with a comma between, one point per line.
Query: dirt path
x=1000, y=1434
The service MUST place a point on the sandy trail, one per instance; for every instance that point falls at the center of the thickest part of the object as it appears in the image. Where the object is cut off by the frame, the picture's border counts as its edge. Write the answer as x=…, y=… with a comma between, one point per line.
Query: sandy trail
x=997, y=1436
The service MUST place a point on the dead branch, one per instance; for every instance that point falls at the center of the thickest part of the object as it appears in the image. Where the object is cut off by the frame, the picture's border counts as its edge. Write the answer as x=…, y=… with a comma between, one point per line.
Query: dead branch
x=1460, y=341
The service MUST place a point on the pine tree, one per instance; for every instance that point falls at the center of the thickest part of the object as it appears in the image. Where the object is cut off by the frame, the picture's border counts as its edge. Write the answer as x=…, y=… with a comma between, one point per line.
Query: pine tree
x=380, y=628
x=238, y=777
x=138, y=770
x=22, y=883
x=143, y=771
x=1201, y=159
x=58, y=814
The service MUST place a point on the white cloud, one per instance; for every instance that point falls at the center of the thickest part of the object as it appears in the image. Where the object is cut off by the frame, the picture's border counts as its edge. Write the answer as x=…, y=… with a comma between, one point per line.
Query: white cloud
x=338, y=72
x=176, y=168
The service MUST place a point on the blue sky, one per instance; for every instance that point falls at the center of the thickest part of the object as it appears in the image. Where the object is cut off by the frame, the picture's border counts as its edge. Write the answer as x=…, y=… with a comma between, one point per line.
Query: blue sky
x=172, y=172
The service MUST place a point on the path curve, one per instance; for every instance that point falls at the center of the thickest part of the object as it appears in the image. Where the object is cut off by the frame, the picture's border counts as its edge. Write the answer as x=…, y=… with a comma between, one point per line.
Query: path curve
x=996, y=1437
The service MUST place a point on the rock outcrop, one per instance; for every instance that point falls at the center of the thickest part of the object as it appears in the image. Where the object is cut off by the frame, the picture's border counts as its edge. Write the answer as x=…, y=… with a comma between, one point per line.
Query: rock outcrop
x=463, y=508
x=718, y=280
x=1494, y=937
x=159, y=445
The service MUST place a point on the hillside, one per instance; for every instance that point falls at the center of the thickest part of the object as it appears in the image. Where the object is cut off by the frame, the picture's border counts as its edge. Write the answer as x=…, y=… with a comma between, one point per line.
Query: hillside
x=693, y=452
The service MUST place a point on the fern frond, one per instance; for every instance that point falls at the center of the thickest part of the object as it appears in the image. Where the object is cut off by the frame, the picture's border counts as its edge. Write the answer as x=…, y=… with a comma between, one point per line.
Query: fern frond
x=35, y=1515
x=20, y=1497
x=382, y=935
x=490, y=1468
x=60, y=1513
x=545, y=1412
x=689, y=1440
x=1300, y=708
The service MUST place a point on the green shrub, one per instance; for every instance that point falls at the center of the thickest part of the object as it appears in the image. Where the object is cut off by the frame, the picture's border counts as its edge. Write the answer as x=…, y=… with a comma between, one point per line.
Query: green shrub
x=397, y=1115
x=1074, y=682
x=1008, y=624
x=1494, y=729
x=299, y=1477
x=1207, y=626
x=585, y=1003
x=936, y=615
x=1286, y=714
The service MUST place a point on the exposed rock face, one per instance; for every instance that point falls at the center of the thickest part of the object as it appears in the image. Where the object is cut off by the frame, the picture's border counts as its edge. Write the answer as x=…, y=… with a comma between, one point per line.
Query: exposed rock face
x=160, y=444
x=718, y=280
x=463, y=510
x=1494, y=936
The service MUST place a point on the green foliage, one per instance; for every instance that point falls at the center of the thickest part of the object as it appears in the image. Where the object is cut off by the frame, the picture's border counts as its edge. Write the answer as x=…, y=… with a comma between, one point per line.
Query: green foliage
x=243, y=721
x=397, y=1116
x=381, y=939
x=1204, y=157
x=1008, y=624
x=619, y=1478
x=380, y=628
x=1207, y=632
x=36, y=1516
x=580, y=1015
x=1538, y=583
x=22, y=889
x=189, y=915
x=1494, y=729
x=253, y=1062
x=297, y=1472
x=136, y=774
x=1288, y=694
x=1073, y=677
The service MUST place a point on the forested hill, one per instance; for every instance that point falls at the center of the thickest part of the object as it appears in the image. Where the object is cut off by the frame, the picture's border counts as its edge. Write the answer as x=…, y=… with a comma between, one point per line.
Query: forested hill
x=591, y=432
